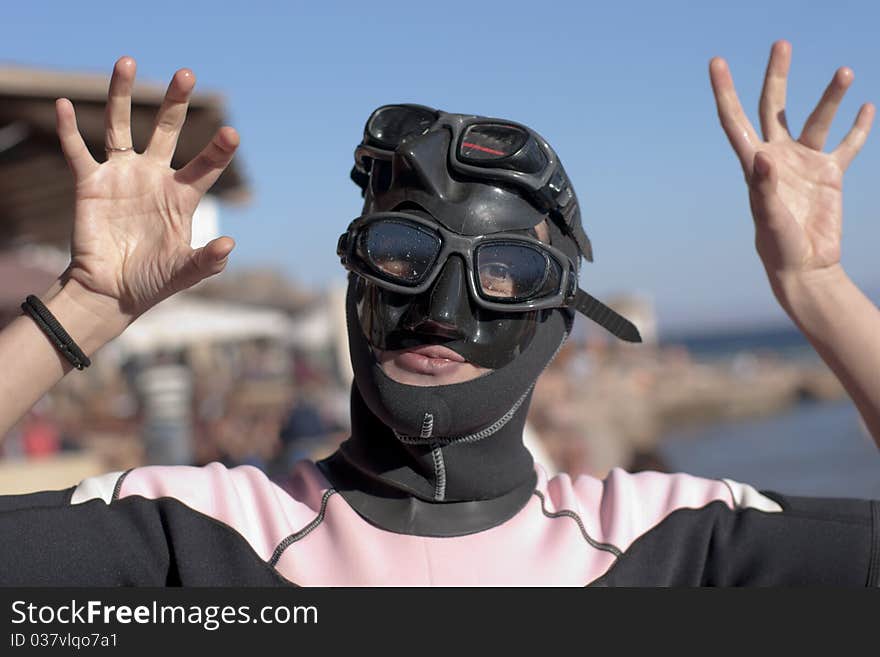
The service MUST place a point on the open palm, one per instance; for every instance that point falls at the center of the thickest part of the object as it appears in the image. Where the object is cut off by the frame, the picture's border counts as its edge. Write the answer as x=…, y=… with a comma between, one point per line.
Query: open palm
x=795, y=189
x=133, y=217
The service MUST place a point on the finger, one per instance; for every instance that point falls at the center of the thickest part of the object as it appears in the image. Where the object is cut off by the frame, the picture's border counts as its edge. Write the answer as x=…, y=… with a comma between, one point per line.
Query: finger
x=739, y=130
x=171, y=116
x=772, y=105
x=854, y=140
x=79, y=159
x=819, y=123
x=206, y=261
x=204, y=169
x=117, y=116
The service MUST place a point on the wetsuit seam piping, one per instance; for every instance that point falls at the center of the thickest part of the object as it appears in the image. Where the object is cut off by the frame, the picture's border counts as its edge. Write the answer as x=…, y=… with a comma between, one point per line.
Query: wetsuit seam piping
x=736, y=504
x=305, y=531
x=439, y=473
x=117, y=488
x=605, y=547
x=469, y=438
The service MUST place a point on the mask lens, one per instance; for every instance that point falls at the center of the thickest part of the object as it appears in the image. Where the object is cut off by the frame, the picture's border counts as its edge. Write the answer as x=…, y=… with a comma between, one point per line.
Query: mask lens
x=501, y=146
x=490, y=141
x=398, y=251
x=390, y=125
x=513, y=272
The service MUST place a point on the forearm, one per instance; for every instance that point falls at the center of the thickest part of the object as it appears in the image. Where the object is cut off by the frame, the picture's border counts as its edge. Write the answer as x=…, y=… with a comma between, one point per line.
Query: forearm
x=31, y=363
x=843, y=325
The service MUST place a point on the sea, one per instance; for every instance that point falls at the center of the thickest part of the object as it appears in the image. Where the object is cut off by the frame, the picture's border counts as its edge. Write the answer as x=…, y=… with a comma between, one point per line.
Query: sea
x=812, y=448
x=785, y=341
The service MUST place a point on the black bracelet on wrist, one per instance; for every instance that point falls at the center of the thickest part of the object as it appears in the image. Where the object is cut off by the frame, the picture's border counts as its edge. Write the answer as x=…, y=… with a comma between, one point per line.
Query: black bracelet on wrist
x=56, y=333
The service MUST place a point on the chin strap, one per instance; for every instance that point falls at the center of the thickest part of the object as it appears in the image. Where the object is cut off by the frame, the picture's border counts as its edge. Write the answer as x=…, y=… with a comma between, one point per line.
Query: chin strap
x=606, y=317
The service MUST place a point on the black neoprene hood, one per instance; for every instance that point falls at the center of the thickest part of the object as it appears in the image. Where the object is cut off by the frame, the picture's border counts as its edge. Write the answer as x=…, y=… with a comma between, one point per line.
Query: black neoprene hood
x=446, y=460
x=453, y=450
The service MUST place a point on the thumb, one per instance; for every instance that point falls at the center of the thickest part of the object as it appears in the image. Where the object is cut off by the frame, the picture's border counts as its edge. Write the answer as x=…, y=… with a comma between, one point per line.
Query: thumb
x=207, y=260
x=767, y=209
x=778, y=237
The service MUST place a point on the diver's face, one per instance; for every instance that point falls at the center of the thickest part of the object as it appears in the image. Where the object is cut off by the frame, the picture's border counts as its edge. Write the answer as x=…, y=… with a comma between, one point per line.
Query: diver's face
x=428, y=361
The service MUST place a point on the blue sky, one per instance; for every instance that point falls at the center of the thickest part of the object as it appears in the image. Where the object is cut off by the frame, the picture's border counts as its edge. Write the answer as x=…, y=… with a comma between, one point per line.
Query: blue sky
x=620, y=89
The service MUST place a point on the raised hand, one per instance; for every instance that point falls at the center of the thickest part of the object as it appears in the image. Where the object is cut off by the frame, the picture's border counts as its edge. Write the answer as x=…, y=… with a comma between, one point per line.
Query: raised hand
x=133, y=217
x=795, y=188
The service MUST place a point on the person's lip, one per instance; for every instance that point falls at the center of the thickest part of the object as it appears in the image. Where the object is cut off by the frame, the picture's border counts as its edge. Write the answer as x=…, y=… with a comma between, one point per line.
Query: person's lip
x=436, y=351
x=429, y=359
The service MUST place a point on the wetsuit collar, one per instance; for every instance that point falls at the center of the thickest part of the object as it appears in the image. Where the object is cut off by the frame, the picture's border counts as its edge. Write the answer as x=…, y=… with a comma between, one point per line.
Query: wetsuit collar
x=394, y=485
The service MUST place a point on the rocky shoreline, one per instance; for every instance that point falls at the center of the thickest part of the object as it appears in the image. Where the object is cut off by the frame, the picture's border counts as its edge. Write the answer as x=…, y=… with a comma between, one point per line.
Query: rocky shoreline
x=595, y=410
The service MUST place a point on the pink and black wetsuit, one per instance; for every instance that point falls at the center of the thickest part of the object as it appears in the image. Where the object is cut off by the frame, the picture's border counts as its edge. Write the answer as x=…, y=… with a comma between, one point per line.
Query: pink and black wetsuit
x=217, y=526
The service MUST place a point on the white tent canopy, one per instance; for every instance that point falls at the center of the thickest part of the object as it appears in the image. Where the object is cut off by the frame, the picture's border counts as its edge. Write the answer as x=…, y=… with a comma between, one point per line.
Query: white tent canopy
x=183, y=320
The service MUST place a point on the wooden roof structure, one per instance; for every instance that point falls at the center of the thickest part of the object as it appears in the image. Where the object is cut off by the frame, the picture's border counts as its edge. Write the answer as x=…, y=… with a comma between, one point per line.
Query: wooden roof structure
x=36, y=188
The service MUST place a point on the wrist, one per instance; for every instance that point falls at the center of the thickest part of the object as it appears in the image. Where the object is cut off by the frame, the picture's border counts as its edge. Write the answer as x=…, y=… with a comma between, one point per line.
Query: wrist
x=91, y=319
x=801, y=292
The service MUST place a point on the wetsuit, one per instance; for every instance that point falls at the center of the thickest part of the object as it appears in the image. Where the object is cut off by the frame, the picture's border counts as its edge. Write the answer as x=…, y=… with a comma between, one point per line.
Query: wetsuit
x=219, y=526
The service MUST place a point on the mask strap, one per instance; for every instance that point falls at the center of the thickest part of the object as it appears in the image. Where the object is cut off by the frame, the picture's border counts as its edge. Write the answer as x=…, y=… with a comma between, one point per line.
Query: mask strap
x=606, y=317
x=582, y=241
x=575, y=231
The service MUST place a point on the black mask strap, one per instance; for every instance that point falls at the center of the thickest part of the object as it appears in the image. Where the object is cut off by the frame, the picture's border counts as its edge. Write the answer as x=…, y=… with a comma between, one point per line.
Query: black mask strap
x=582, y=241
x=606, y=317
x=574, y=231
